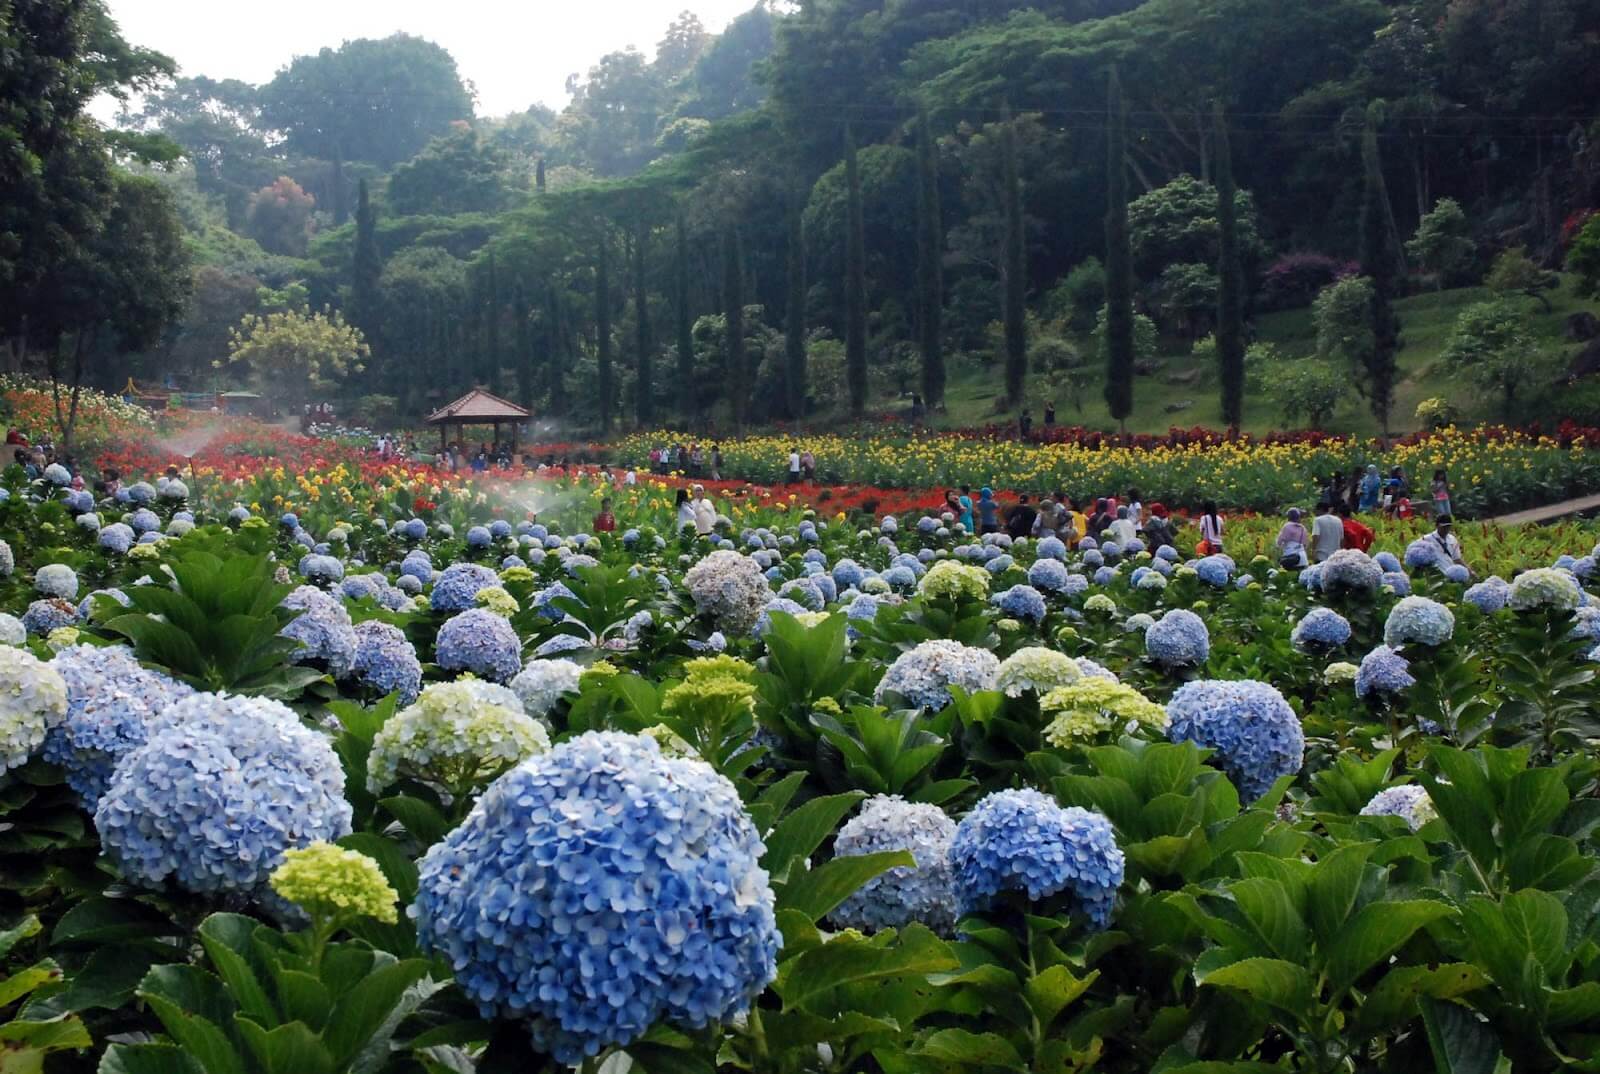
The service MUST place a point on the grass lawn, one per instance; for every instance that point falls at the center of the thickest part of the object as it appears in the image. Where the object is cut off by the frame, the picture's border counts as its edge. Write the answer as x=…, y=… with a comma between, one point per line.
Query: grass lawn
x=1425, y=321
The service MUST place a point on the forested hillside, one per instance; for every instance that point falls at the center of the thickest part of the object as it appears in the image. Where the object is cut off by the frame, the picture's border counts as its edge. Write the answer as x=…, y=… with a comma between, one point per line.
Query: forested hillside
x=895, y=193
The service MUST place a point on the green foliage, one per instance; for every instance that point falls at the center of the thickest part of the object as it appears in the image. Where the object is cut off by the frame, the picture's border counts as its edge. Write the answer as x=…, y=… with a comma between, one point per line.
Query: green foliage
x=1491, y=343
x=1179, y=223
x=1514, y=272
x=1120, y=342
x=1443, y=245
x=1342, y=317
x=1080, y=295
x=279, y=217
x=292, y=353
x=1146, y=337
x=1583, y=257
x=459, y=172
x=1380, y=264
x=27, y=1041
x=1014, y=267
x=930, y=262
x=855, y=284
x=1311, y=389
x=1230, y=283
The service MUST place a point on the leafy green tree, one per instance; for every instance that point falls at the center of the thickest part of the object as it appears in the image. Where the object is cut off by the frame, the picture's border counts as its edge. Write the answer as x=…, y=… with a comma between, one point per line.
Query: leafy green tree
x=1181, y=223
x=855, y=284
x=1380, y=264
x=1493, y=344
x=681, y=46
x=1188, y=296
x=611, y=125
x=1583, y=258
x=1342, y=313
x=1077, y=299
x=930, y=259
x=279, y=217
x=733, y=314
x=1309, y=389
x=1515, y=273
x=1014, y=270
x=460, y=172
x=1443, y=245
x=217, y=124
x=794, y=314
x=1230, y=282
x=422, y=296
x=1146, y=338
x=377, y=101
x=1118, y=345
x=294, y=352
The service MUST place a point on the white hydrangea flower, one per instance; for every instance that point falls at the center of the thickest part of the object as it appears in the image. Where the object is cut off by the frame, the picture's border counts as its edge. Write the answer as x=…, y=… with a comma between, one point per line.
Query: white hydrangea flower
x=1036, y=670
x=542, y=684
x=454, y=737
x=33, y=699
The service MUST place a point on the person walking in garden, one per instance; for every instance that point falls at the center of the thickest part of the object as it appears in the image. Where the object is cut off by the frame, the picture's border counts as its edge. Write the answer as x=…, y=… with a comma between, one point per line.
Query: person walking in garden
x=1135, y=509
x=794, y=464
x=1049, y=415
x=1121, y=528
x=1099, y=520
x=966, y=507
x=1210, y=528
x=1444, y=537
x=716, y=462
x=1025, y=423
x=1020, y=519
x=1371, y=488
x=1357, y=535
x=685, y=510
x=605, y=521
x=1159, y=530
x=1291, y=542
x=705, y=512
x=808, y=465
x=988, y=511
x=1327, y=534
x=1441, y=494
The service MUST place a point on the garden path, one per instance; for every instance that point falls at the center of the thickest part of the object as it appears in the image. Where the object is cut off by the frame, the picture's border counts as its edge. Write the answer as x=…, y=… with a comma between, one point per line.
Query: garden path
x=1549, y=512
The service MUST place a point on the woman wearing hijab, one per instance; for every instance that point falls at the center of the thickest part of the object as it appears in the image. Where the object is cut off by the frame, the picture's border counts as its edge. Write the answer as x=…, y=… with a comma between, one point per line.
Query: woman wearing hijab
x=1292, y=541
x=988, y=511
x=705, y=512
x=966, y=508
x=1371, y=489
x=1158, y=528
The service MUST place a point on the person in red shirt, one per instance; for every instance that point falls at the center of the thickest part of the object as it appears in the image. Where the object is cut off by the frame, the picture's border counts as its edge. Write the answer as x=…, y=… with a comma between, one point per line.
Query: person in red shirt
x=1356, y=534
x=605, y=521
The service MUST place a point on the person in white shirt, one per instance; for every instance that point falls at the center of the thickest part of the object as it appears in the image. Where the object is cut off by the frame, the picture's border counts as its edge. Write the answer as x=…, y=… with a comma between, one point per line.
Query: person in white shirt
x=1135, y=510
x=686, y=511
x=1444, y=539
x=1211, y=527
x=794, y=465
x=1327, y=533
x=1121, y=529
x=631, y=477
x=705, y=512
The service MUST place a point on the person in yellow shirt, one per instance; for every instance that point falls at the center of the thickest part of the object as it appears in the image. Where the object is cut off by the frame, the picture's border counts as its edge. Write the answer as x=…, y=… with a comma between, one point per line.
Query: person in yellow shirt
x=1080, y=521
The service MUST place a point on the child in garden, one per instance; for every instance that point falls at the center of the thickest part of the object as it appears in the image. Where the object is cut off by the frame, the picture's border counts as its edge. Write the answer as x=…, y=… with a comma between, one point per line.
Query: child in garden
x=605, y=521
x=1441, y=494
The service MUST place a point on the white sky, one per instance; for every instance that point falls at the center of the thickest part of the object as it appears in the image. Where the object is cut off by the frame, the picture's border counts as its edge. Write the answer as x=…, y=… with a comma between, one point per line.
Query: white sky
x=515, y=52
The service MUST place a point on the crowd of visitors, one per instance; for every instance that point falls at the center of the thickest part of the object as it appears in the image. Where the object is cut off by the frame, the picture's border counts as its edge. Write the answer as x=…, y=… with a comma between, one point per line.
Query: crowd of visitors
x=1335, y=525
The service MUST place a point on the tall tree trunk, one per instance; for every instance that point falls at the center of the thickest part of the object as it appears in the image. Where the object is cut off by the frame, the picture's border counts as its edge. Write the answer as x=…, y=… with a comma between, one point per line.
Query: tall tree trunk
x=602, y=330
x=1230, y=283
x=556, y=349
x=644, y=392
x=521, y=311
x=733, y=312
x=930, y=273
x=855, y=284
x=1380, y=262
x=1119, y=340
x=489, y=310
x=1014, y=268
x=685, y=346
x=794, y=315
x=538, y=176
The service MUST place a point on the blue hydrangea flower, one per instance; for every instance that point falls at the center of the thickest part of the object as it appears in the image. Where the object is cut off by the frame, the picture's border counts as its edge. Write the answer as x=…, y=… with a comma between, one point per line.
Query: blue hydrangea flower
x=557, y=644
x=776, y=604
x=1023, y=841
x=1387, y=562
x=1319, y=630
x=1407, y=801
x=904, y=894
x=321, y=570
x=478, y=537
x=1457, y=573
x=289, y=521
x=386, y=661
x=1383, y=671
x=456, y=589
x=1050, y=548
x=86, y=606
x=1049, y=575
x=601, y=888
x=922, y=676
x=1021, y=602
x=322, y=628
x=49, y=614
x=1422, y=554
x=481, y=642
x=223, y=787
x=56, y=580
x=901, y=579
x=1400, y=583
x=1093, y=557
x=414, y=529
x=803, y=592
x=499, y=529
x=111, y=700
x=999, y=564
x=140, y=492
x=1490, y=595
x=542, y=599
x=117, y=537
x=1104, y=575
x=1255, y=734
x=1213, y=571
x=1350, y=570
x=1419, y=620
x=1178, y=639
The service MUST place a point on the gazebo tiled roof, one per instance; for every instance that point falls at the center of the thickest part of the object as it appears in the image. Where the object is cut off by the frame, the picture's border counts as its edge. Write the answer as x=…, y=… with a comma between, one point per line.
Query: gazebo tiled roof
x=478, y=405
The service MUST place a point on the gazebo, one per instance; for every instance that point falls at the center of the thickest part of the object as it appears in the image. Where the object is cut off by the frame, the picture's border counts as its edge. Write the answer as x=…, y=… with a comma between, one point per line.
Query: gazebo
x=478, y=407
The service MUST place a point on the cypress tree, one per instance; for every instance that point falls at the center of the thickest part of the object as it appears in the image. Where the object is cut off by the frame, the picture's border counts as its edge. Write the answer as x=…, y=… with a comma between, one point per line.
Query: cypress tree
x=1230, y=283
x=366, y=269
x=524, y=362
x=930, y=275
x=1014, y=266
x=1119, y=261
x=794, y=321
x=644, y=394
x=489, y=310
x=555, y=341
x=855, y=283
x=538, y=176
x=686, y=399
x=733, y=311
x=1380, y=262
x=602, y=330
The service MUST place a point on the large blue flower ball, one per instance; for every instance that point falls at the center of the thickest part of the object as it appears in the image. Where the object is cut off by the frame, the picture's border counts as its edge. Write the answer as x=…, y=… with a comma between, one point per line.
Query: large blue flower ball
x=222, y=788
x=1178, y=639
x=1255, y=734
x=601, y=888
x=481, y=642
x=1023, y=841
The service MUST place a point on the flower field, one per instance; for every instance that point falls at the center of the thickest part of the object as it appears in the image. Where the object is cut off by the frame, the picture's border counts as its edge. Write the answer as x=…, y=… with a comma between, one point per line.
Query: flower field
x=1491, y=470
x=311, y=763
